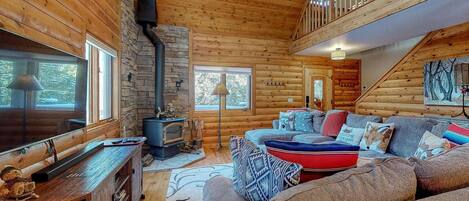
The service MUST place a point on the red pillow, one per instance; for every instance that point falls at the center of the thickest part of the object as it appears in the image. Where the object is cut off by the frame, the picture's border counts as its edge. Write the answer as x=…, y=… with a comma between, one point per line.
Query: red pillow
x=333, y=123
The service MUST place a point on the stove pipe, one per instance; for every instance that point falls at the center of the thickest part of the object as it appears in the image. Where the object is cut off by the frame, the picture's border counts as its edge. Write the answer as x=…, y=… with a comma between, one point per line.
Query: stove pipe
x=147, y=17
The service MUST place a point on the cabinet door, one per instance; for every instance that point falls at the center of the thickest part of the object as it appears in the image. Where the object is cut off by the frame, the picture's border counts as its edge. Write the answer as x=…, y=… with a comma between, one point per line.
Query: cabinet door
x=137, y=175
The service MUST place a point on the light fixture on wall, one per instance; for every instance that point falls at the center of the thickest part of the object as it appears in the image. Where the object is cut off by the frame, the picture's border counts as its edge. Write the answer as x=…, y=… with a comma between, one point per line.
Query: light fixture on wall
x=338, y=54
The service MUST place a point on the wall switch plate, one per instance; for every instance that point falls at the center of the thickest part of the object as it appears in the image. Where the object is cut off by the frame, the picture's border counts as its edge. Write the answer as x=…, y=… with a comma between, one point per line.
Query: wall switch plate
x=290, y=100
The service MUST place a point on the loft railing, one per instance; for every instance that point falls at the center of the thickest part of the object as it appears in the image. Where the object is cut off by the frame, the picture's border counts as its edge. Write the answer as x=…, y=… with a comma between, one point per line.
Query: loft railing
x=318, y=13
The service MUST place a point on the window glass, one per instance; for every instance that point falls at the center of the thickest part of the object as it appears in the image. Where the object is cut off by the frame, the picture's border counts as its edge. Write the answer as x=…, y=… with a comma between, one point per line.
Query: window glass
x=105, y=85
x=205, y=82
x=236, y=80
x=318, y=89
x=6, y=77
x=239, y=87
x=59, y=83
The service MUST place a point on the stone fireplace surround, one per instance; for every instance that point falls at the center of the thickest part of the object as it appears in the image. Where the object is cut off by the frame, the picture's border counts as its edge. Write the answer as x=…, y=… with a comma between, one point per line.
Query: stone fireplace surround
x=137, y=60
x=176, y=40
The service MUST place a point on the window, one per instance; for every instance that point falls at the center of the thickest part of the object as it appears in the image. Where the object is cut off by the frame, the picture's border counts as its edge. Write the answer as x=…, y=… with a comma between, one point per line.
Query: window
x=105, y=85
x=318, y=92
x=101, y=62
x=237, y=81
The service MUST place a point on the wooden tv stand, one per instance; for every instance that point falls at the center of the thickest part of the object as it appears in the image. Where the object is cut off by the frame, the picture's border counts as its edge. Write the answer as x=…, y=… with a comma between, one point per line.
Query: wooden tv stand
x=99, y=177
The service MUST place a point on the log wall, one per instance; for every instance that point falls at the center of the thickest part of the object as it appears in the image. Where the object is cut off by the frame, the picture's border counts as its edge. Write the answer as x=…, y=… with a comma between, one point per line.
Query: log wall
x=251, y=34
x=400, y=91
x=62, y=24
x=269, y=60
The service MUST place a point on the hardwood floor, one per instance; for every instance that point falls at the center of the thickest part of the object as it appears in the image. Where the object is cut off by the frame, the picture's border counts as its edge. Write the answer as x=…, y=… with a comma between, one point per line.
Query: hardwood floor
x=156, y=184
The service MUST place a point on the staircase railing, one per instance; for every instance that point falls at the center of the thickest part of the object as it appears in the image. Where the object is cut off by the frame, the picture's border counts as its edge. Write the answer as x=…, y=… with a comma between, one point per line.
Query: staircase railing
x=318, y=13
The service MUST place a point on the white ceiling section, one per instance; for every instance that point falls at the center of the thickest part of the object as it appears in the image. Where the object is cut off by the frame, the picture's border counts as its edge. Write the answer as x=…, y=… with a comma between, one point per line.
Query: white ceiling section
x=415, y=21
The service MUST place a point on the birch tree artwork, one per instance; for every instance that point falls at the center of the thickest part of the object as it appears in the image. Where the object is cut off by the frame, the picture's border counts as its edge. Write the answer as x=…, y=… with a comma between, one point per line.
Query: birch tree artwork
x=439, y=79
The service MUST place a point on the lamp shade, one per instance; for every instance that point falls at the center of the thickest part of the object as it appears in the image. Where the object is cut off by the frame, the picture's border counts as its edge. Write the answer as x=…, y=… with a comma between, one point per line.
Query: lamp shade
x=220, y=90
x=26, y=83
x=461, y=74
x=338, y=54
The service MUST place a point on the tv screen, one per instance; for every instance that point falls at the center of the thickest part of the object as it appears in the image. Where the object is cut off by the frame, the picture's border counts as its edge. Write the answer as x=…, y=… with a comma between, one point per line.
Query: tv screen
x=43, y=92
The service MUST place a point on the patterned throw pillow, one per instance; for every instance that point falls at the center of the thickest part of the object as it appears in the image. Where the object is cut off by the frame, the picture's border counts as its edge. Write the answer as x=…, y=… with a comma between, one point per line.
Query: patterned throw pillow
x=303, y=121
x=350, y=135
x=377, y=137
x=333, y=122
x=286, y=121
x=431, y=145
x=457, y=135
x=258, y=175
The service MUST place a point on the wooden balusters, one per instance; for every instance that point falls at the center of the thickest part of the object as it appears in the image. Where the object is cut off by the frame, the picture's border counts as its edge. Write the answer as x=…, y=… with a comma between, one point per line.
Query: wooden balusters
x=318, y=13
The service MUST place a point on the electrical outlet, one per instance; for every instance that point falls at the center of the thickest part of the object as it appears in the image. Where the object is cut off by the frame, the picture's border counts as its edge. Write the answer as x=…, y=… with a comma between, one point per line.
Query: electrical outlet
x=290, y=100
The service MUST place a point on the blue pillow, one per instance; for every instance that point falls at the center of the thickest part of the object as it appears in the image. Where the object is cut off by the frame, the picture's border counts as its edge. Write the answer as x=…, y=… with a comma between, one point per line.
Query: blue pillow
x=286, y=121
x=258, y=175
x=304, y=121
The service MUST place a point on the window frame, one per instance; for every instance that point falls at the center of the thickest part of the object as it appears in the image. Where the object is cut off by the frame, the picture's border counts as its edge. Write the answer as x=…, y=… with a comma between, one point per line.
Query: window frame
x=92, y=50
x=223, y=70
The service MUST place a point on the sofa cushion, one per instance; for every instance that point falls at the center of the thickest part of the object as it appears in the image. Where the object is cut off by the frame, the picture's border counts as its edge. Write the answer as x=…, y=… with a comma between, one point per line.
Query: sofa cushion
x=261, y=175
x=315, y=158
x=407, y=134
x=457, y=134
x=392, y=179
x=333, y=122
x=377, y=137
x=359, y=121
x=220, y=188
x=318, y=119
x=260, y=135
x=287, y=121
x=457, y=195
x=431, y=145
x=350, y=135
x=443, y=173
x=312, y=138
x=303, y=121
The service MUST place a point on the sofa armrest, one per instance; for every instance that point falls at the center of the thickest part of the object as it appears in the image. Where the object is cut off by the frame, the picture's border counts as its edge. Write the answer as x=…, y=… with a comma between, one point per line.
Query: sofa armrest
x=275, y=124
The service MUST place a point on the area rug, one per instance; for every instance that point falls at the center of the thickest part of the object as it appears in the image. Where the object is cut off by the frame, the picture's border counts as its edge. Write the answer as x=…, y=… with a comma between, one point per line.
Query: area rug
x=187, y=184
x=177, y=161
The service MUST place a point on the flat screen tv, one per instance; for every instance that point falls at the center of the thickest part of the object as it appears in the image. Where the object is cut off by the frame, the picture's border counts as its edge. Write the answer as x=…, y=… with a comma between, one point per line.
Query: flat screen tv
x=43, y=92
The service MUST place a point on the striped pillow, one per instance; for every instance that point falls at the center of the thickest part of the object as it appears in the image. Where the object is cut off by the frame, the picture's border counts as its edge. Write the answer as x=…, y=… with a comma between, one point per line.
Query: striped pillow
x=318, y=160
x=457, y=135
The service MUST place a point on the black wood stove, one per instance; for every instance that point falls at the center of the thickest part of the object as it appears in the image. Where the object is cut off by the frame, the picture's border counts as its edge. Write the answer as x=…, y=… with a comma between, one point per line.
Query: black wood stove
x=165, y=136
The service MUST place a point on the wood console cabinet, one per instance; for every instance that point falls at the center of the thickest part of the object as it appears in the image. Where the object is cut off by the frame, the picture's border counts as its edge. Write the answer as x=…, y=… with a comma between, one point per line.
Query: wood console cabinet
x=99, y=177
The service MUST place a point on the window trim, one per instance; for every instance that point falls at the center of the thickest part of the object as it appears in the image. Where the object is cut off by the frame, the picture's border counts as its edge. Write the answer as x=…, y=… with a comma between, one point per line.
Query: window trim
x=237, y=112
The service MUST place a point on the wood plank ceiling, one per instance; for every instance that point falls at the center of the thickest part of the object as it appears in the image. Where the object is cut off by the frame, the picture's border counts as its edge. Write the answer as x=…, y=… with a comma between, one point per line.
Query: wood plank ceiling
x=267, y=19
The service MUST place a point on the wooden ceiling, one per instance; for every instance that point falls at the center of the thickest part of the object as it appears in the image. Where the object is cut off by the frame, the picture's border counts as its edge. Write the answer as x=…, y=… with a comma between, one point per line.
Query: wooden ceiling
x=268, y=19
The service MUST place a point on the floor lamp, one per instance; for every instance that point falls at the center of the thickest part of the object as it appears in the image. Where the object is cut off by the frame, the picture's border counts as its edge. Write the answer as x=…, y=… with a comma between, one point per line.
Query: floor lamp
x=26, y=83
x=220, y=91
x=461, y=72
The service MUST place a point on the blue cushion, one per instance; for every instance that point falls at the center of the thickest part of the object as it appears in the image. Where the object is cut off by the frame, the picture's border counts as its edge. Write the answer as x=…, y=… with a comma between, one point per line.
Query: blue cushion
x=312, y=138
x=260, y=135
x=304, y=121
x=258, y=175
